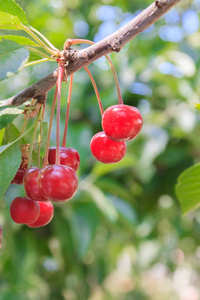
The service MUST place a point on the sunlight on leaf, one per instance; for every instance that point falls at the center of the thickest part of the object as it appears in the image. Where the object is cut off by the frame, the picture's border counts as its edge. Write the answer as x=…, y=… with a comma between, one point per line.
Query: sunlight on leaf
x=12, y=58
x=8, y=115
x=9, y=22
x=11, y=7
x=188, y=189
x=22, y=40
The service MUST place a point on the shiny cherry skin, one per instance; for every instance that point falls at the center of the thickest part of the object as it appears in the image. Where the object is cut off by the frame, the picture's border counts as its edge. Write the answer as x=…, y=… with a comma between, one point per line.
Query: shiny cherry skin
x=24, y=210
x=106, y=150
x=19, y=176
x=122, y=122
x=68, y=157
x=32, y=189
x=46, y=215
x=58, y=182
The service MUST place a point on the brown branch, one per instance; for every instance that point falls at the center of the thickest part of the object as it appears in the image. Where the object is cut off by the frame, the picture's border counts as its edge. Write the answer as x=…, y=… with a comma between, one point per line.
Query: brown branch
x=78, y=59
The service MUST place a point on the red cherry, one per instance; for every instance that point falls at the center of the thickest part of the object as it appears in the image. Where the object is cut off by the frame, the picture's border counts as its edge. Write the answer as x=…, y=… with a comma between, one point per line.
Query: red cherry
x=106, y=150
x=24, y=210
x=59, y=183
x=122, y=122
x=46, y=215
x=68, y=157
x=32, y=189
x=19, y=176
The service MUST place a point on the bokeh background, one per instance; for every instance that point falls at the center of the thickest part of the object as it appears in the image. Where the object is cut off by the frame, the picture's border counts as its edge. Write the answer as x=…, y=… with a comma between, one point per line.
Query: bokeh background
x=123, y=236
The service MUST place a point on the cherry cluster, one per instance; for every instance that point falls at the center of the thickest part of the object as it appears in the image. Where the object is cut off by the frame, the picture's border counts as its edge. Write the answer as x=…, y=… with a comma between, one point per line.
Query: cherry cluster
x=53, y=183
x=57, y=180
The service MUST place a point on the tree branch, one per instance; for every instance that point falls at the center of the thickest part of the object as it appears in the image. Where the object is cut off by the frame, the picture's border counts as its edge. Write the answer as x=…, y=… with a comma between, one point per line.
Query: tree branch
x=78, y=59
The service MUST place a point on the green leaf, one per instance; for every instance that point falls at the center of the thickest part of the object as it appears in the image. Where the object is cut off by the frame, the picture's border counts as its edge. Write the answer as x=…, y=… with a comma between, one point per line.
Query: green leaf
x=11, y=133
x=10, y=156
x=8, y=115
x=124, y=209
x=1, y=136
x=11, y=7
x=101, y=169
x=188, y=188
x=8, y=46
x=22, y=40
x=9, y=22
x=12, y=58
x=197, y=106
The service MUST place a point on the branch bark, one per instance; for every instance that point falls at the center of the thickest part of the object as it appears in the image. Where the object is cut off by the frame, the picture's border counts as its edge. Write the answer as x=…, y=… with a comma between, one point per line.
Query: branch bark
x=78, y=59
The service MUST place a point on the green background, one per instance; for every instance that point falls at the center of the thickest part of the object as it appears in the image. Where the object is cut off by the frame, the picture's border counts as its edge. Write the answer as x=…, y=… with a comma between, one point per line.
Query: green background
x=123, y=236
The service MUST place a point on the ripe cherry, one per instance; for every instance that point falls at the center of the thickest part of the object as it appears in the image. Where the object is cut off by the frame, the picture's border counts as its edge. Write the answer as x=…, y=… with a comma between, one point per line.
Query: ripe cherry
x=32, y=189
x=106, y=150
x=24, y=210
x=46, y=215
x=19, y=176
x=68, y=157
x=122, y=122
x=58, y=182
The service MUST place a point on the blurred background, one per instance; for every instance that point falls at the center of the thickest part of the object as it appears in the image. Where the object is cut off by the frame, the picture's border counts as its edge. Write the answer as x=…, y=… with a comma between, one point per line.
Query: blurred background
x=123, y=236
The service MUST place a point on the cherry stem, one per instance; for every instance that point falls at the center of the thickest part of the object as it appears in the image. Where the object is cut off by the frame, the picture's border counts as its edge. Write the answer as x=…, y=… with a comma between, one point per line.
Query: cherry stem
x=26, y=120
x=1, y=233
x=67, y=112
x=24, y=125
x=96, y=90
x=61, y=68
x=33, y=138
x=50, y=127
x=40, y=136
x=120, y=100
x=70, y=42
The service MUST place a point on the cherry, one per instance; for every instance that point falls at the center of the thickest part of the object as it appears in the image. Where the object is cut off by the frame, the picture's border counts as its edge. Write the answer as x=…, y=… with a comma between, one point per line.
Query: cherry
x=32, y=189
x=19, y=176
x=24, y=210
x=106, y=150
x=58, y=182
x=68, y=157
x=122, y=122
x=46, y=215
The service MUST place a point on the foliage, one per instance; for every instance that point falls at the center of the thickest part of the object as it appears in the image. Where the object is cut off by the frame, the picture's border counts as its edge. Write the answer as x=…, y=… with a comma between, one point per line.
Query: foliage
x=123, y=236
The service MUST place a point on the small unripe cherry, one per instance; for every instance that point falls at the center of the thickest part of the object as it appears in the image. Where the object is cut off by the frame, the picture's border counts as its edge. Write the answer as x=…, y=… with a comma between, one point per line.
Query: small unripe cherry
x=106, y=150
x=46, y=215
x=24, y=210
x=122, y=122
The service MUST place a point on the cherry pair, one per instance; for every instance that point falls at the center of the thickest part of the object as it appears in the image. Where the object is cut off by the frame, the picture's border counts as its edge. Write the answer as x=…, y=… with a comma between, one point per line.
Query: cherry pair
x=32, y=213
x=120, y=123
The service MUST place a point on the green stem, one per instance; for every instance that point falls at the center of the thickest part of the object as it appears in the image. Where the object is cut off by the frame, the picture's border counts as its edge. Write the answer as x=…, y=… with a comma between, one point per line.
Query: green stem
x=67, y=112
x=40, y=136
x=33, y=138
x=38, y=62
x=45, y=39
x=96, y=90
x=24, y=126
x=38, y=40
x=38, y=52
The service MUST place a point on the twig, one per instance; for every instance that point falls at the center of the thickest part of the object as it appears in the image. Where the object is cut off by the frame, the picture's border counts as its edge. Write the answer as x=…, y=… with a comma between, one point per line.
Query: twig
x=78, y=59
